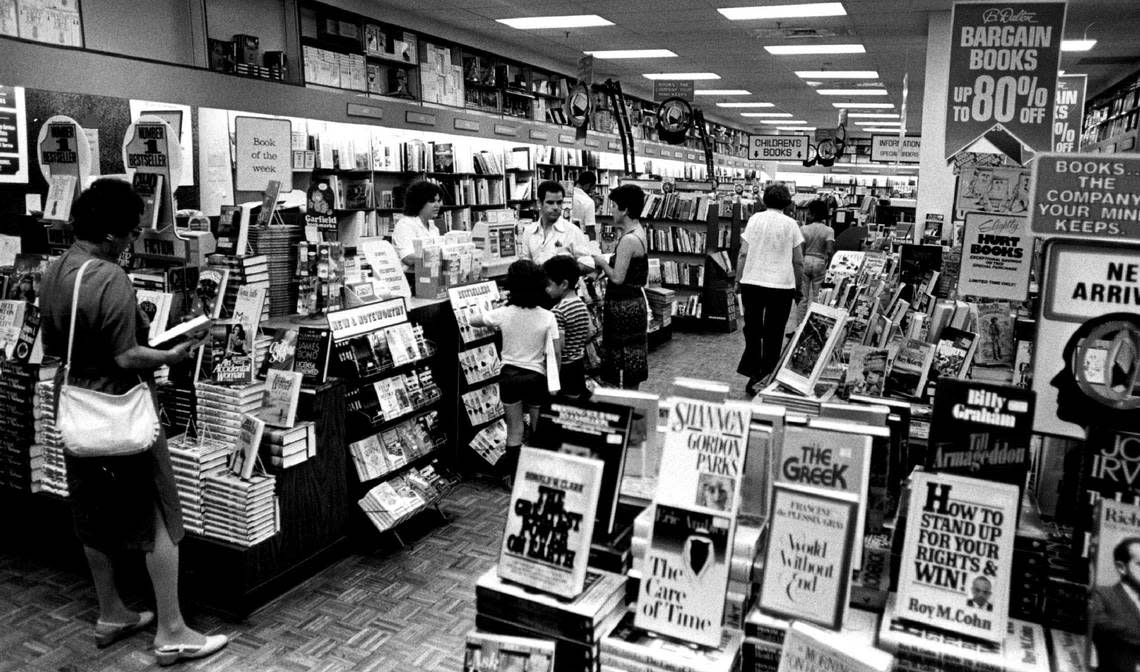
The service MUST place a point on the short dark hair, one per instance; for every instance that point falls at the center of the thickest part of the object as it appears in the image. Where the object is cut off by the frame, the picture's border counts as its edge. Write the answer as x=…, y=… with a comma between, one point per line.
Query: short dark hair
x=109, y=207
x=526, y=283
x=1121, y=553
x=818, y=211
x=562, y=268
x=629, y=197
x=547, y=186
x=586, y=179
x=777, y=196
x=420, y=194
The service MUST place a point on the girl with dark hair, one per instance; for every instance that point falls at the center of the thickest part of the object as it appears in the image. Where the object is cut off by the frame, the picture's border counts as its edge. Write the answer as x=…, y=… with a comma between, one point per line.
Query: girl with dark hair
x=529, y=333
x=421, y=205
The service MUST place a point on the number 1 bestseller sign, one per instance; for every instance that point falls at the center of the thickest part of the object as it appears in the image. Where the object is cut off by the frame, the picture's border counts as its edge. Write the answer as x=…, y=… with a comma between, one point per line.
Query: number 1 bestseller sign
x=1003, y=71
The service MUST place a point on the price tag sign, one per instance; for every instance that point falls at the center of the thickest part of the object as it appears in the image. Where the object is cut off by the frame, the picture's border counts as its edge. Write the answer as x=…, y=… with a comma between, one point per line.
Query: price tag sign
x=1003, y=71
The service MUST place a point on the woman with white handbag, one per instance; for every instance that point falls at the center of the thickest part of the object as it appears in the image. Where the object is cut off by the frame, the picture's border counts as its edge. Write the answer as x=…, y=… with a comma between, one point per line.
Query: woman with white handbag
x=120, y=479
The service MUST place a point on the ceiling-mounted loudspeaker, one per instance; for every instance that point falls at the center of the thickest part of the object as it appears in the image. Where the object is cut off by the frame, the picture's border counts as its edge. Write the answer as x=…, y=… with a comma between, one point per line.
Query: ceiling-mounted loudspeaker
x=578, y=106
x=674, y=119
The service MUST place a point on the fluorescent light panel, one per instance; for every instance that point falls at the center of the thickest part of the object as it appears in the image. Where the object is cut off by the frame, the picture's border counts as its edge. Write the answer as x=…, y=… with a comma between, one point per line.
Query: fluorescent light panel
x=837, y=74
x=559, y=22
x=872, y=115
x=722, y=92
x=745, y=105
x=681, y=75
x=786, y=122
x=795, y=128
x=881, y=130
x=866, y=106
x=800, y=11
x=783, y=115
x=851, y=92
x=632, y=53
x=1077, y=45
x=878, y=123
x=809, y=49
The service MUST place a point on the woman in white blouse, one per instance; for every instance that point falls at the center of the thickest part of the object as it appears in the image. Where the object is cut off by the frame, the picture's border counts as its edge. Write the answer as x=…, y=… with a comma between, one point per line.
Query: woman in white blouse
x=421, y=205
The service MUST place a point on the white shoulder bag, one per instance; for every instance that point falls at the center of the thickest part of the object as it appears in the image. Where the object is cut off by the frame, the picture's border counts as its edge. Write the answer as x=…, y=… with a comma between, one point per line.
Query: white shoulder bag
x=97, y=424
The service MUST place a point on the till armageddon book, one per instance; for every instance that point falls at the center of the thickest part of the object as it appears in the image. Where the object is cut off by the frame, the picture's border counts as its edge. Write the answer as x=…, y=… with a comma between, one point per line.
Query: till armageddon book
x=702, y=463
x=957, y=554
x=981, y=430
x=810, y=649
x=685, y=574
x=550, y=521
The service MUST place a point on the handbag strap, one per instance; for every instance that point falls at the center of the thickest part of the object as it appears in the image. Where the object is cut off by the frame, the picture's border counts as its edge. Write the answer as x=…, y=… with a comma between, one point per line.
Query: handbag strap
x=74, y=313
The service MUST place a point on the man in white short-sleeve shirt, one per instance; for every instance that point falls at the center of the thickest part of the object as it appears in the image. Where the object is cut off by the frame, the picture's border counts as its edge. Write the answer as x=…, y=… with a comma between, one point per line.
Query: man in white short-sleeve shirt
x=770, y=273
x=552, y=235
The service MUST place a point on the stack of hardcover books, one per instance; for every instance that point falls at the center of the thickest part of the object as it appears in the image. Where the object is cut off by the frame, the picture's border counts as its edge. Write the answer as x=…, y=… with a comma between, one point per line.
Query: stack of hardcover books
x=192, y=460
x=220, y=408
x=243, y=512
x=764, y=636
x=629, y=648
x=250, y=271
x=278, y=244
x=176, y=407
x=48, y=468
x=284, y=448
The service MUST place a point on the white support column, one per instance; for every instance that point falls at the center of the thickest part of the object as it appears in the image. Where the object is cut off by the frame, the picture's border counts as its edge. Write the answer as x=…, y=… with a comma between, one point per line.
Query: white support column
x=935, y=178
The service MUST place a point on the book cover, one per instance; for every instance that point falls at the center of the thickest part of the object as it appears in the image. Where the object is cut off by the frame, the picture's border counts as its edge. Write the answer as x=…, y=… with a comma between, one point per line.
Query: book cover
x=226, y=232
x=226, y=360
x=995, y=334
x=321, y=199
x=210, y=291
x=1114, y=623
x=981, y=430
x=807, y=563
x=244, y=454
x=643, y=456
x=810, y=349
x=702, y=460
x=443, y=156
x=279, y=353
x=810, y=649
x=550, y=521
x=282, y=392
x=867, y=370
x=401, y=344
x=910, y=369
x=485, y=652
x=593, y=430
x=311, y=355
x=953, y=353
x=148, y=186
x=685, y=574
x=957, y=554
x=156, y=306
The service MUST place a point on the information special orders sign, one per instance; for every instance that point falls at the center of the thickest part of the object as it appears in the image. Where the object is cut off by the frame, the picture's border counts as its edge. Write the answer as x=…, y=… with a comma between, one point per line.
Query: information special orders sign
x=885, y=148
x=1003, y=71
x=777, y=147
x=1087, y=195
x=997, y=252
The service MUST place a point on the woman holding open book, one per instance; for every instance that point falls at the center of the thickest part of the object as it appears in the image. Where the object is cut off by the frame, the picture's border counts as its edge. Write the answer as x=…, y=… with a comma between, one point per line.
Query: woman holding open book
x=124, y=502
x=625, y=316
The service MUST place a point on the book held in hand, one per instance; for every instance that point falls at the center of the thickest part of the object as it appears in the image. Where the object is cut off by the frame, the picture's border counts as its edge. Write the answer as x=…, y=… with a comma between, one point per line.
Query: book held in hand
x=550, y=521
x=181, y=332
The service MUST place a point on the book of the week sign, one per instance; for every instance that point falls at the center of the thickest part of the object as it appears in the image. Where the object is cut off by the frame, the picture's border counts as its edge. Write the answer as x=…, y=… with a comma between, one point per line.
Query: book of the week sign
x=263, y=152
x=777, y=147
x=888, y=149
x=1003, y=71
x=1087, y=195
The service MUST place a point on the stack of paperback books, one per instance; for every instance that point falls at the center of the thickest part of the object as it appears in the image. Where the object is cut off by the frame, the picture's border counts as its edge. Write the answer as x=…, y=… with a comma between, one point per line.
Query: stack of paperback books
x=249, y=272
x=629, y=648
x=192, y=460
x=284, y=448
x=279, y=245
x=220, y=408
x=243, y=512
x=48, y=468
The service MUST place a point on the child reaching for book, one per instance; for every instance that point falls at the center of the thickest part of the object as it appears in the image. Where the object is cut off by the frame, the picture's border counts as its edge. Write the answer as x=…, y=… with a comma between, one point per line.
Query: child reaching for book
x=573, y=319
x=530, y=340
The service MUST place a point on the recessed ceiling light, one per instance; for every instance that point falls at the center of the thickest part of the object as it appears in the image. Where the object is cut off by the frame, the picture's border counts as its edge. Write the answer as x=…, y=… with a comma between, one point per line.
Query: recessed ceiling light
x=632, y=53
x=681, y=75
x=1077, y=45
x=872, y=115
x=800, y=11
x=559, y=22
x=866, y=106
x=806, y=49
x=852, y=92
x=837, y=74
x=724, y=92
x=894, y=131
x=786, y=122
x=795, y=128
x=745, y=105
x=783, y=115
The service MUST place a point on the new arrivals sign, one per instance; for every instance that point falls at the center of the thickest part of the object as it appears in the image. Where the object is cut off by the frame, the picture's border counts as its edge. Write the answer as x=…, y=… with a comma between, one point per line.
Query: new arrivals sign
x=1003, y=71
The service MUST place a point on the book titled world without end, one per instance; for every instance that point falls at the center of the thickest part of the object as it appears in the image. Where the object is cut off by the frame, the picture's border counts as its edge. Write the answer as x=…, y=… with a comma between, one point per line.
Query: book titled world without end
x=550, y=520
x=597, y=431
x=981, y=430
x=957, y=554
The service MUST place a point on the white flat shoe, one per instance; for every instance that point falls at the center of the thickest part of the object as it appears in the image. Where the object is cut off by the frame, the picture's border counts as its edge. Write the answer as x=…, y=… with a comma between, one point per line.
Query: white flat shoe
x=168, y=655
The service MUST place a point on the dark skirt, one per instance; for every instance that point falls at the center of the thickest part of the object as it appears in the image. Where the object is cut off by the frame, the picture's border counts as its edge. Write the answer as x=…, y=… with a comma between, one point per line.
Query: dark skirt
x=624, y=343
x=113, y=499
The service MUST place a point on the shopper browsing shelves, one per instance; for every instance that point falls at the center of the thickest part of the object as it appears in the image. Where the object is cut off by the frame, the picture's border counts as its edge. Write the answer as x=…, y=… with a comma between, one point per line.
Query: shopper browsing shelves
x=573, y=322
x=582, y=206
x=421, y=205
x=625, y=313
x=771, y=276
x=552, y=234
x=123, y=503
x=819, y=245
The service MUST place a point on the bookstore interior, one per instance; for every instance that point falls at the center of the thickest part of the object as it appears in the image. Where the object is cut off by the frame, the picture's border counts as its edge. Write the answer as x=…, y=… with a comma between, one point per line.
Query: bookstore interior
x=400, y=436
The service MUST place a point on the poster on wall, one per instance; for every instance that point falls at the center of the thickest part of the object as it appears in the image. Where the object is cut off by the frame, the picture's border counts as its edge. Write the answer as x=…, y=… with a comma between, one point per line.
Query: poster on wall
x=52, y=21
x=1085, y=363
x=1069, y=112
x=178, y=116
x=1087, y=195
x=1003, y=71
x=997, y=252
x=263, y=152
x=13, y=136
x=994, y=190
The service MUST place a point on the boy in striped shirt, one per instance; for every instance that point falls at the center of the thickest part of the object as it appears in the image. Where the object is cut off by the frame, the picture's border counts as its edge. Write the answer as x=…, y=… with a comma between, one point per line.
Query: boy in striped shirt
x=573, y=322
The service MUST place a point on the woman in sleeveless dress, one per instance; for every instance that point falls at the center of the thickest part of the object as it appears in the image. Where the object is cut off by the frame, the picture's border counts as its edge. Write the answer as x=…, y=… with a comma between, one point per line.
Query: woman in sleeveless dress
x=625, y=313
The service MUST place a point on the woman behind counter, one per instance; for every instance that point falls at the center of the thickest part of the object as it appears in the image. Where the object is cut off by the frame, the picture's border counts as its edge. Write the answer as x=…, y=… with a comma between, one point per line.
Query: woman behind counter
x=625, y=317
x=129, y=502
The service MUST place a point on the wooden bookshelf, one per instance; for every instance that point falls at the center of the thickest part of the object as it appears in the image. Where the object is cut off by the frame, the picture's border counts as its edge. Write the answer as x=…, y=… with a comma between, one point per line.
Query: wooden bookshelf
x=1112, y=119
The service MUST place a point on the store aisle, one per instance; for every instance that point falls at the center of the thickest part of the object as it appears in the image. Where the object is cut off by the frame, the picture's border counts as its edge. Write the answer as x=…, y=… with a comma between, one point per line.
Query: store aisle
x=388, y=610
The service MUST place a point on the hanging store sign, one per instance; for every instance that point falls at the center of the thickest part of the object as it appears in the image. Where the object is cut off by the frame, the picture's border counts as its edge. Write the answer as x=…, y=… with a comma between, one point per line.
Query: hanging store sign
x=886, y=148
x=1087, y=195
x=1003, y=71
x=997, y=252
x=664, y=89
x=263, y=152
x=13, y=136
x=777, y=147
x=1068, y=112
